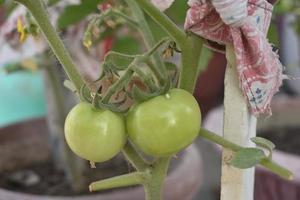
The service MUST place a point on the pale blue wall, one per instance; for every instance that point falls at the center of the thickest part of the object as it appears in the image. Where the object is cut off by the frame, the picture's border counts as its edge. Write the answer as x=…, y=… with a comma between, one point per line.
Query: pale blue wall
x=21, y=97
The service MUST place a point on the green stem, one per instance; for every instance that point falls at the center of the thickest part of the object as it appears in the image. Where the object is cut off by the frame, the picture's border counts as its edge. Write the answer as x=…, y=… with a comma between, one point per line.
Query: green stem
x=157, y=45
x=38, y=11
x=116, y=55
x=146, y=79
x=131, y=179
x=266, y=162
x=190, y=45
x=147, y=35
x=135, y=158
x=163, y=20
x=126, y=18
x=153, y=188
x=120, y=83
x=277, y=169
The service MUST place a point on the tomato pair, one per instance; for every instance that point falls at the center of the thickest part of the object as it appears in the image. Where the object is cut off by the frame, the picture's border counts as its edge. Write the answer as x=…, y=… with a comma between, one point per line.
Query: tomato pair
x=160, y=126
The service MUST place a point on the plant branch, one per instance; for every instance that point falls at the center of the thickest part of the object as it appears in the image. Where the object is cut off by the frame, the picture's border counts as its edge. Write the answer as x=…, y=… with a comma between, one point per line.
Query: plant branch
x=163, y=20
x=131, y=179
x=266, y=162
x=135, y=158
x=147, y=35
x=153, y=188
x=39, y=12
x=120, y=83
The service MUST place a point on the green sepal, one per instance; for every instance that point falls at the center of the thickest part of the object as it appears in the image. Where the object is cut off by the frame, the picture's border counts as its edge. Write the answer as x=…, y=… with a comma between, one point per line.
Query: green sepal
x=140, y=96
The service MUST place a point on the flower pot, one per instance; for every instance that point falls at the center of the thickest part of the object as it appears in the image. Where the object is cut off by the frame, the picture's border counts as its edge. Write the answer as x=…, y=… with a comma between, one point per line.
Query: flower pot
x=268, y=186
x=25, y=143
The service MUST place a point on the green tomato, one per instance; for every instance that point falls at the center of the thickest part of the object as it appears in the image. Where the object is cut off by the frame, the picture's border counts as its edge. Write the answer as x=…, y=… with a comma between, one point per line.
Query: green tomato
x=93, y=134
x=165, y=124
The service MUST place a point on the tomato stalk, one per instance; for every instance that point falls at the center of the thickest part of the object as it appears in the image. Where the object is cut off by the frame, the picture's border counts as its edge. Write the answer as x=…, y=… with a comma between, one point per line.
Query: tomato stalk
x=147, y=36
x=39, y=12
x=137, y=160
x=189, y=44
x=135, y=178
x=153, y=188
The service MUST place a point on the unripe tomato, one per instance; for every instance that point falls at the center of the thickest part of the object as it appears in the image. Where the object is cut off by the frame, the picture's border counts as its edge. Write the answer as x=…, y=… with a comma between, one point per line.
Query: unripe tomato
x=165, y=124
x=93, y=134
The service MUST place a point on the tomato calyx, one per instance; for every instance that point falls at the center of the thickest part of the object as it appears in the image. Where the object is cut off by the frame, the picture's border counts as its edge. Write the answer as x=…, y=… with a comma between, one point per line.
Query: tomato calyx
x=141, y=96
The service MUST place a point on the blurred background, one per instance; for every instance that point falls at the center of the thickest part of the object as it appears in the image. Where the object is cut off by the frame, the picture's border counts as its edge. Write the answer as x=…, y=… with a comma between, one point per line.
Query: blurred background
x=34, y=103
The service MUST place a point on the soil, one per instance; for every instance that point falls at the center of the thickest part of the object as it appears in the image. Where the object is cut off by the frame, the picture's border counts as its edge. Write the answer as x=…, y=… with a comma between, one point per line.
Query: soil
x=286, y=139
x=45, y=179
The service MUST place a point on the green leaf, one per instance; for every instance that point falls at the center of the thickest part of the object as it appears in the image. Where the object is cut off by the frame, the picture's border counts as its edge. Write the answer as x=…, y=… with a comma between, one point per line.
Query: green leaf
x=206, y=56
x=2, y=2
x=247, y=158
x=262, y=142
x=75, y=13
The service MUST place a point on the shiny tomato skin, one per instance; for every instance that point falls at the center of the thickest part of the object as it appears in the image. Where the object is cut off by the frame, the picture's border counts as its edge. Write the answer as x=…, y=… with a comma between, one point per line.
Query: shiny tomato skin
x=94, y=134
x=166, y=124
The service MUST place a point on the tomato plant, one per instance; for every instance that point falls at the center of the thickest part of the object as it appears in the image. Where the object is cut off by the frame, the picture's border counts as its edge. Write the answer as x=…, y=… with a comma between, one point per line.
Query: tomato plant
x=161, y=125
x=165, y=124
x=94, y=134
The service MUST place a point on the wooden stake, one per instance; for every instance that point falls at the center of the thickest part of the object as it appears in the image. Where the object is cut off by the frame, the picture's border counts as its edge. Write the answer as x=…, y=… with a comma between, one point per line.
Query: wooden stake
x=239, y=127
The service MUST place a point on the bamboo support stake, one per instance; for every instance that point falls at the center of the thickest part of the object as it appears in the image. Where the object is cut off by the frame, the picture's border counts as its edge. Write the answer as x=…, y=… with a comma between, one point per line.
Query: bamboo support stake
x=239, y=127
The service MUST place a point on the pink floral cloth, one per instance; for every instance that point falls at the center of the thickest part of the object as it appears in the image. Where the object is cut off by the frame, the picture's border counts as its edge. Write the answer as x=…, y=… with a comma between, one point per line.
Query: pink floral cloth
x=259, y=68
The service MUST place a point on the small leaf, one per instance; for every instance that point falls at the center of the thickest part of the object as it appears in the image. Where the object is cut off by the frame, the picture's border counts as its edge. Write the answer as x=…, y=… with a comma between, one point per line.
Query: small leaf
x=247, y=158
x=262, y=142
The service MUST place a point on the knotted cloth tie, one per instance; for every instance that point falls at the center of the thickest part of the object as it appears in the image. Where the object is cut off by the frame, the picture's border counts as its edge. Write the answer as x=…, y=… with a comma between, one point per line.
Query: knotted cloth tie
x=259, y=68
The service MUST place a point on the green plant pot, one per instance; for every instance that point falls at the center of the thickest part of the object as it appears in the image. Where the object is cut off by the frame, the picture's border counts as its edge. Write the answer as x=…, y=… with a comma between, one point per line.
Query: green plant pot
x=21, y=97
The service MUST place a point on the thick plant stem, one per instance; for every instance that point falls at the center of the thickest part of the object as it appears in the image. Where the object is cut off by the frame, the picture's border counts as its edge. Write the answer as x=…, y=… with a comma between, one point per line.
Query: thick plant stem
x=147, y=35
x=153, y=188
x=39, y=12
x=190, y=44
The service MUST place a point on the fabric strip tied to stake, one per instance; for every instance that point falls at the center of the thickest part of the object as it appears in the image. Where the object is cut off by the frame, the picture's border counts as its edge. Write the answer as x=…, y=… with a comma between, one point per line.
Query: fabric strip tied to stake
x=244, y=25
